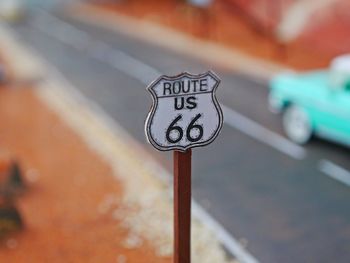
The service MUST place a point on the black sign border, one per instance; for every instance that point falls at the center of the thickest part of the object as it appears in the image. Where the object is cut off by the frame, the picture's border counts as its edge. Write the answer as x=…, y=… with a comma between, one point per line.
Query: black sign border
x=151, y=113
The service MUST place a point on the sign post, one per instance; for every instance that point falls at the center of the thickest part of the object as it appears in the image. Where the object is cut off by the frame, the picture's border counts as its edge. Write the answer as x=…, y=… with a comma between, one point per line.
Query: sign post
x=182, y=206
x=185, y=114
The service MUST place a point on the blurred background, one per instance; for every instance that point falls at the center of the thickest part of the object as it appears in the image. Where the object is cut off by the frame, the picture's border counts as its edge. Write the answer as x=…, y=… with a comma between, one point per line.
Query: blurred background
x=276, y=181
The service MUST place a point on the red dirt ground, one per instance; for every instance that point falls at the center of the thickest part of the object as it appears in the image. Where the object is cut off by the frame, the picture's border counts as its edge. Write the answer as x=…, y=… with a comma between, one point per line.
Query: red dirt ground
x=67, y=184
x=329, y=31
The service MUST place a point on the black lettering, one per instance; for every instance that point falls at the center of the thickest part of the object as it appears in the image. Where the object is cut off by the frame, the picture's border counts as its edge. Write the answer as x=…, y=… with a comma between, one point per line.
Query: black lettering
x=191, y=103
x=177, y=87
x=203, y=84
x=167, y=87
x=186, y=89
x=178, y=106
x=195, y=81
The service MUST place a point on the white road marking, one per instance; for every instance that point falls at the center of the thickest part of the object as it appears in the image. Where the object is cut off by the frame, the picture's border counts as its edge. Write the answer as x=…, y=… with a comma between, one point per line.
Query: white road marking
x=225, y=238
x=133, y=67
x=81, y=40
x=229, y=242
x=146, y=74
x=261, y=134
x=335, y=171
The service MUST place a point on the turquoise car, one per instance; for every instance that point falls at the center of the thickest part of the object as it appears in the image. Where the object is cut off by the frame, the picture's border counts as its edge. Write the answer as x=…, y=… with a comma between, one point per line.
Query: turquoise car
x=315, y=103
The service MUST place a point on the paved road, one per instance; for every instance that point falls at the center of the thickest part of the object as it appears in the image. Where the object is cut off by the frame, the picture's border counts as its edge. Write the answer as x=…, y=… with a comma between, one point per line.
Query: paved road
x=261, y=187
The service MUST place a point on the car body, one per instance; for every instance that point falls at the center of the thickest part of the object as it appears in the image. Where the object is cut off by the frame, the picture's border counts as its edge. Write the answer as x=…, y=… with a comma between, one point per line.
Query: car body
x=314, y=103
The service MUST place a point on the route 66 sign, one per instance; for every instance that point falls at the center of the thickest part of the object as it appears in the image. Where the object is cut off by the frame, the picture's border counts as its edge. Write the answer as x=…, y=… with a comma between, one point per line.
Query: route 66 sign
x=185, y=112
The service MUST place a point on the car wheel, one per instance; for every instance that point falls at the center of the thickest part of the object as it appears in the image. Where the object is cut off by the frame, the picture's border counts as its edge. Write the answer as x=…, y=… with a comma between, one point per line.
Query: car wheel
x=297, y=125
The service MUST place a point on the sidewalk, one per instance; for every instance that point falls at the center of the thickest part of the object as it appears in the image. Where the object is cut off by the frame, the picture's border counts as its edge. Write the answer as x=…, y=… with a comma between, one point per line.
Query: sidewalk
x=93, y=194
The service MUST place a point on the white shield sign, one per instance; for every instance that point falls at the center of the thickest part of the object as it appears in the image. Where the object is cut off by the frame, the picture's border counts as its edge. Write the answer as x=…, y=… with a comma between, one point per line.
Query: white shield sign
x=185, y=112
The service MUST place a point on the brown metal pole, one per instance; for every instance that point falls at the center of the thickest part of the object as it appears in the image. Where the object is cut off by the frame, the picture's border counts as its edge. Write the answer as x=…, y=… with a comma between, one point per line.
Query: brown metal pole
x=182, y=206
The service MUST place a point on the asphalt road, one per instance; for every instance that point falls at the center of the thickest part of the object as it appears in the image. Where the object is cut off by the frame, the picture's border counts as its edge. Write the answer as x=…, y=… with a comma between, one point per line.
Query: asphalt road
x=260, y=187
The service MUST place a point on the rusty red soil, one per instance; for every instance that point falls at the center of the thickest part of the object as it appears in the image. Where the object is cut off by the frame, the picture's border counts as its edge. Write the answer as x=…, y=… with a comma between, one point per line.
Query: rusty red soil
x=329, y=30
x=67, y=184
x=223, y=24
